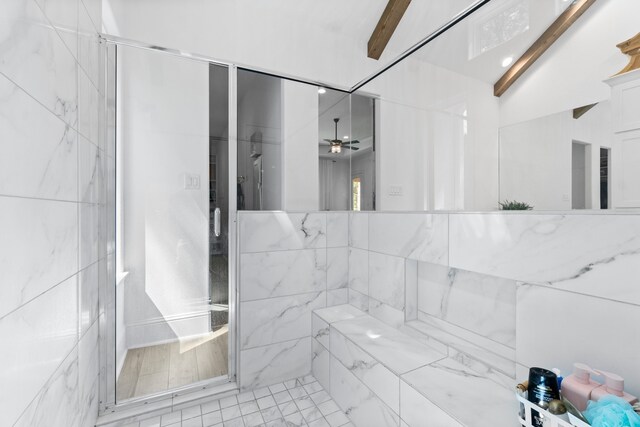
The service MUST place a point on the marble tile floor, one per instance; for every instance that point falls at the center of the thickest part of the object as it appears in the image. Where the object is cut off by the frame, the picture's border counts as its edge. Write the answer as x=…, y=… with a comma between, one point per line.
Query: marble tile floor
x=158, y=368
x=295, y=403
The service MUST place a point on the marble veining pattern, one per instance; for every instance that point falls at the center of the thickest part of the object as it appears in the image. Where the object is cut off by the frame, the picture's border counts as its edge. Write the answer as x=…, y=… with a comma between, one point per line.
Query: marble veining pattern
x=573, y=252
x=37, y=60
x=38, y=161
x=395, y=350
x=386, y=279
x=272, y=231
x=272, y=274
x=460, y=391
x=419, y=236
x=278, y=319
x=263, y=366
x=38, y=230
x=482, y=304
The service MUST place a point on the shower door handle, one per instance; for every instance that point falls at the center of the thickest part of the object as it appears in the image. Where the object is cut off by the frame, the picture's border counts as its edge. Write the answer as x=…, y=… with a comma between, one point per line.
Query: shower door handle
x=216, y=222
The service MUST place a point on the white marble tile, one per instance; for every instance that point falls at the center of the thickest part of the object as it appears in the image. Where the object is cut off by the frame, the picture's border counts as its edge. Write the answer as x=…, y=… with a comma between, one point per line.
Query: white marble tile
x=88, y=109
x=358, y=300
x=320, y=364
x=38, y=161
x=273, y=231
x=395, y=350
x=421, y=337
x=359, y=230
x=473, y=400
x=419, y=236
x=602, y=333
x=337, y=229
x=63, y=15
x=337, y=313
x=39, y=247
x=383, y=382
x=88, y=289
x=411, y=290
x=89, y=369
x=263, y=366
x=495, y=354
x=360, y=404
x=573, y=252
x=386, y=279
x=41, y=335
x=418, y=411
x=277, y=319
x=271, y=274
x=88, y=46
x=386, y=313
x=91, y=178
x=479, y=303
x=483, y=368
x=337, y=297
x=57, y=402
x=94, y=7
x=320, y=330
x=359, y=270
x=90, y=239
x=337, y=268
x=36, y=59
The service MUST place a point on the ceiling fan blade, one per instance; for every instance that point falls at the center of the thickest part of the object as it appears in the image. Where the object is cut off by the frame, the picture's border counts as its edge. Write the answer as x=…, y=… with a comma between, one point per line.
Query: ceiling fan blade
x=351, y=142
x=351, y=148
x=329, y=151
x=328, y=140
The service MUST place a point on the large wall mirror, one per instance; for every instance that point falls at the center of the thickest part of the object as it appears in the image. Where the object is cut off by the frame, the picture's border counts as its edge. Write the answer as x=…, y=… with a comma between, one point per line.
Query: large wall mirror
x=446, y=142
x=431, y=133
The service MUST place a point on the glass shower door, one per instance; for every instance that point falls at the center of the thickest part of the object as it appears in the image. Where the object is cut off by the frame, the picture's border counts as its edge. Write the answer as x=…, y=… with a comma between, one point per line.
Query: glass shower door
x=172, y=330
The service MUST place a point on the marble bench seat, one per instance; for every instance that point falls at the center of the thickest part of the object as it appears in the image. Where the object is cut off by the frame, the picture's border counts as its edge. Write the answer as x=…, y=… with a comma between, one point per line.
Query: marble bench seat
x=381, y=376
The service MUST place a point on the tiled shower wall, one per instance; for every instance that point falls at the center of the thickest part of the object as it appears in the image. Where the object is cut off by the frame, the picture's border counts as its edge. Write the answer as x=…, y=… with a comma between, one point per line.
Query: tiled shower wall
x=290, y=264
x=53, y=221
x=501, y=292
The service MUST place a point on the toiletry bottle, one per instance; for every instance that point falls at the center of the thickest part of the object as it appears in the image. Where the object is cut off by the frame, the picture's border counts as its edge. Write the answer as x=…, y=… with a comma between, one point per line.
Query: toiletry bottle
x=557, y=408
x=543, y=388
x=577, y=387
x=613, y=384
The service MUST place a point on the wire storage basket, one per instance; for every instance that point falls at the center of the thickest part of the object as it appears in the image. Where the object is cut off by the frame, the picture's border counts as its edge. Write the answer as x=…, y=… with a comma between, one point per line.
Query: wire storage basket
x=549, y=420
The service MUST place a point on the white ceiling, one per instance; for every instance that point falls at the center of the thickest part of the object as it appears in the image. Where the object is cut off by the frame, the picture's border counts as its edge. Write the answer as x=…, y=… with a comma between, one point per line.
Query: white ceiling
x=454, y=50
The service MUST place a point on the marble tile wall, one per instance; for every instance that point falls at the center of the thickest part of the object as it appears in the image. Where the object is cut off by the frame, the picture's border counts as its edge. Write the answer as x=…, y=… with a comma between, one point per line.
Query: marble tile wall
x=289, y=265
x=54, y=170
x=487, y=286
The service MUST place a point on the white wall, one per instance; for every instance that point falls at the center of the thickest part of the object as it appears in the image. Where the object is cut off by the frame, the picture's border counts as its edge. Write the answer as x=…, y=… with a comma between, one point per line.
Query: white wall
x=536, y=158
x=424, y=146
x=535, y=162
x=164, y=118
x=335, y=184
x=571, y=72
x=300, y=146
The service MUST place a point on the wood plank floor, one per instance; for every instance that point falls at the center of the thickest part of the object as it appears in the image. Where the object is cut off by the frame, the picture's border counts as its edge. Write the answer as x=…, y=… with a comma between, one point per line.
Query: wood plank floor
x=162, y=367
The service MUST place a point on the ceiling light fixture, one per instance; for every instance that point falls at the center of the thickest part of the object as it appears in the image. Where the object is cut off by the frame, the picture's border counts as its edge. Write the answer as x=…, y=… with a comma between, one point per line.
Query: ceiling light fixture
x=345, y=137
x=322, y=91
x=336, y=149
x=507, y=61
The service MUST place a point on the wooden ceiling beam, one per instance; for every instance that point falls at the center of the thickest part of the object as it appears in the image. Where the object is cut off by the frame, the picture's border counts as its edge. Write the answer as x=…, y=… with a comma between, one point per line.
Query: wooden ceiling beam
x=580, y=111
x=544, y=42
x=386, y=26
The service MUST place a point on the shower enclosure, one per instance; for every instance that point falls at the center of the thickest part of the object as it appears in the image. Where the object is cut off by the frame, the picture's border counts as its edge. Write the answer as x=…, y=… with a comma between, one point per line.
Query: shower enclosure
x=174, y=310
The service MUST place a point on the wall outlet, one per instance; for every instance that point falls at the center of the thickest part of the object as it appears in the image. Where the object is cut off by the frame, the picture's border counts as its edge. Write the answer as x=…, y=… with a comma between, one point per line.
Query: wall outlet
x=191, y=181
x=395, y=190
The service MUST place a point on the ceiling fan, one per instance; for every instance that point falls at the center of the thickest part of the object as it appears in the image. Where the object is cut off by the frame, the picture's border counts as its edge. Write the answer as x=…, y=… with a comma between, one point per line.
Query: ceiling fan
x=338, y=144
